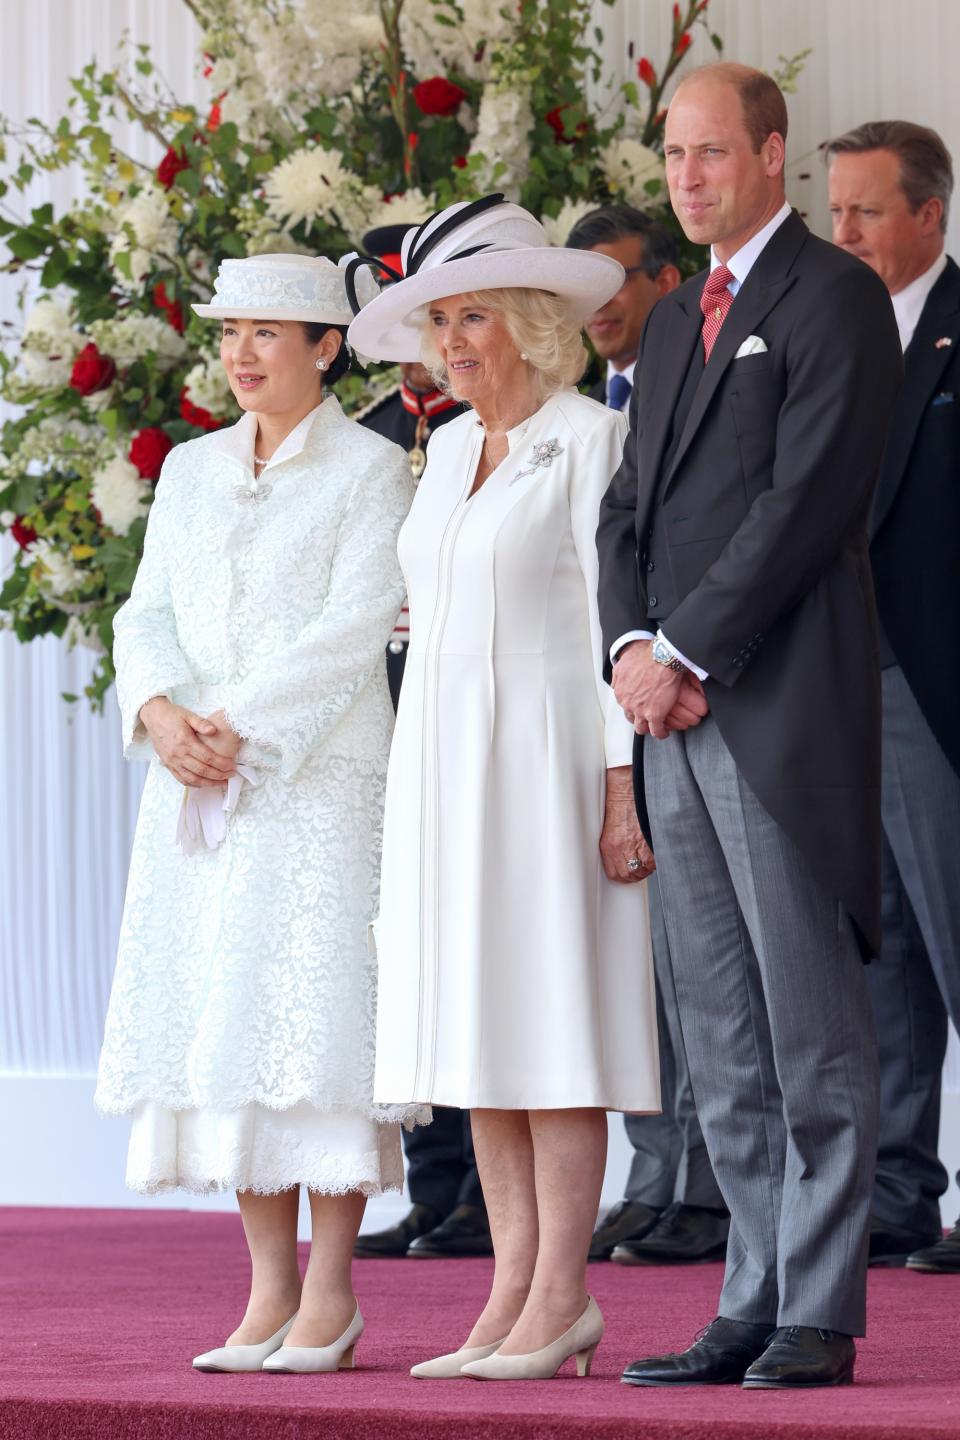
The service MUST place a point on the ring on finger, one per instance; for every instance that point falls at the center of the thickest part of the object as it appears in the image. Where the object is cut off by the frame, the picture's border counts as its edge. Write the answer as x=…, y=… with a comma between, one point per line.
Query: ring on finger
x=633, y=863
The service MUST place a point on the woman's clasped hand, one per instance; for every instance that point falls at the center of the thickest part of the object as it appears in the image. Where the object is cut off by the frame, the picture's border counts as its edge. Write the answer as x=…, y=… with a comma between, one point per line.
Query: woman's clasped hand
x=197, y=752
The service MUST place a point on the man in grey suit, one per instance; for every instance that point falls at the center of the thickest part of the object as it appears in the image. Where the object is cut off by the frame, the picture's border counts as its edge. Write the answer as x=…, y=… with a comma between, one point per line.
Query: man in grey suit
x=890, y=188
x=737, y=602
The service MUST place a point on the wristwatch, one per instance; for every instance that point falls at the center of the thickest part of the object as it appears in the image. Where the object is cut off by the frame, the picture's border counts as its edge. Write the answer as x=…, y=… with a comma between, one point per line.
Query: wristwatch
x=661, y=652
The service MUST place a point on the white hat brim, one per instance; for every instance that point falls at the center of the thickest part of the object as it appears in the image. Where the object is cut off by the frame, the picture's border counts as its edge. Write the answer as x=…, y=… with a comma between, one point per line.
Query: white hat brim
x=389, y=328
x=267, y=312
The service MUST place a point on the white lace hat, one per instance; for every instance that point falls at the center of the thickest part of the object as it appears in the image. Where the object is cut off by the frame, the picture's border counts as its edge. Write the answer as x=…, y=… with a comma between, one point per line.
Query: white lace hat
x=285, y=287
x=485, y=244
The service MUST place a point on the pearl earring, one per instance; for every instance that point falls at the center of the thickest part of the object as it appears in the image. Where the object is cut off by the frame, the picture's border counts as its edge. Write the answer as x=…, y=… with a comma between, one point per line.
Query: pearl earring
x=323, y=364
x=524, y=355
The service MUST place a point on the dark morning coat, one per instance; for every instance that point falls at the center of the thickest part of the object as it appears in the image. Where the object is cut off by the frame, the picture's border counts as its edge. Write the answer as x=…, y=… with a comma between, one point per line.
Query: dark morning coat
x=765, y=506
x=915, y=527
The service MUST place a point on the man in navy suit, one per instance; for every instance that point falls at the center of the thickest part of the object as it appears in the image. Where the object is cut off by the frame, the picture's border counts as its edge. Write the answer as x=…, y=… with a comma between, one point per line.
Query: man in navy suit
x=890, y=186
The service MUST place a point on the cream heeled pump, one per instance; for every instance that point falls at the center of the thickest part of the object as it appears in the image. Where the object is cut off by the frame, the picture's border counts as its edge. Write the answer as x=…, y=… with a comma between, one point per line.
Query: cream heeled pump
x=237, y=1358
x=448, y=1367
x=580, y=1340
x=312, y=1360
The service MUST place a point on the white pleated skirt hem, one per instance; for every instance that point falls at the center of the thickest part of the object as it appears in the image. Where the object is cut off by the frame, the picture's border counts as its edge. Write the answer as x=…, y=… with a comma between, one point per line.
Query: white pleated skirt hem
x=332, y=1152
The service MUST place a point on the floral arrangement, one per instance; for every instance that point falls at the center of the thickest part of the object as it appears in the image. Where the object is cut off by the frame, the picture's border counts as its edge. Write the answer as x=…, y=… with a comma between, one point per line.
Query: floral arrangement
x=325, y=117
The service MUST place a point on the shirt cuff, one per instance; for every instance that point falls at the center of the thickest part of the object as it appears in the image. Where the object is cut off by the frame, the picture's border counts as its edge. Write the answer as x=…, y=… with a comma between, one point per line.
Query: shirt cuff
x=618, y=644
x=700, y=674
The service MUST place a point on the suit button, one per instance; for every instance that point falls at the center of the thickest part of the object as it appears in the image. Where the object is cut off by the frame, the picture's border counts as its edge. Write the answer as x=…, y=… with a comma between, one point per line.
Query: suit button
x=653, y=601
x=737, y=661
x=650, y=567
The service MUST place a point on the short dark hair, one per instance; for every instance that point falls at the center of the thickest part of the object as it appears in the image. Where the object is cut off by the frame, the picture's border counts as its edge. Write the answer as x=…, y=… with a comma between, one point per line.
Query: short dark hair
x=761, y=99
x=315, y=331
x=926, y=170
x=620, y=222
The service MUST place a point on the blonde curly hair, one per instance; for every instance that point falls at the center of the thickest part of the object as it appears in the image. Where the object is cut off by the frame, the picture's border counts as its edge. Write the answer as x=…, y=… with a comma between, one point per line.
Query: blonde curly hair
x=541, y=326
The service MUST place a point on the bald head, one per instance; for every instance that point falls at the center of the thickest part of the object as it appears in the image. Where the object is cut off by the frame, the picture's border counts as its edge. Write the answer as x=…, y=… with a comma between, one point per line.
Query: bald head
x=724, y=150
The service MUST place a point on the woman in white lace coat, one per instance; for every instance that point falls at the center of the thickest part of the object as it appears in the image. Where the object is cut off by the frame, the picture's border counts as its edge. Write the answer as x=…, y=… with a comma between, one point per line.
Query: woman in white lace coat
x=250, y=672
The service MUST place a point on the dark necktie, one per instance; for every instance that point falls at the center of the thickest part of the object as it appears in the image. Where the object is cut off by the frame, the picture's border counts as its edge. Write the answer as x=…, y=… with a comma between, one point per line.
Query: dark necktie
x=715, y=302
x=618, y=391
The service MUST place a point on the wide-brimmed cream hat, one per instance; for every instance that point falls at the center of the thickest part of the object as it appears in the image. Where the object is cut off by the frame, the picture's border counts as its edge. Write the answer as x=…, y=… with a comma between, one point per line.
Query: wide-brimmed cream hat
x=285, y=287
x=485, y=244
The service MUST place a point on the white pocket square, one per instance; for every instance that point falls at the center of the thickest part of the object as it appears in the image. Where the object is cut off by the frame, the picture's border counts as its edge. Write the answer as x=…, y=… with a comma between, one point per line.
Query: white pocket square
x=753, y=345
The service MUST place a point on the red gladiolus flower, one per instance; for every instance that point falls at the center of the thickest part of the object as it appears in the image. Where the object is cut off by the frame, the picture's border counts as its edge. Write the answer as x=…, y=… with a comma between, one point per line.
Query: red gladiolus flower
x=646, y=72
x=215, y=118
x=676, y=14
x=170, y=166
x=413, y=140
x=171, y=308
x=196, y=415
x=208, y=68
x=684, y=43
x=438, y=96
x=148, y=450
x=22, y=533
x=91, y=371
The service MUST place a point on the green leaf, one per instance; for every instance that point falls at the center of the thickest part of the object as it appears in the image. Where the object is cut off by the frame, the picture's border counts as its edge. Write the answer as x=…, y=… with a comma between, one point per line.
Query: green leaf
x=70, y=699
x=108, y=419
x=55, y=269
x=27, y=244
x=14, y=586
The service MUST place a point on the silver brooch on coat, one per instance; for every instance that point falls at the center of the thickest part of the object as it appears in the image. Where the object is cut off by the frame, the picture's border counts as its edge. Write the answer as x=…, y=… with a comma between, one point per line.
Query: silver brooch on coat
x=251, y=494
x=544, y=454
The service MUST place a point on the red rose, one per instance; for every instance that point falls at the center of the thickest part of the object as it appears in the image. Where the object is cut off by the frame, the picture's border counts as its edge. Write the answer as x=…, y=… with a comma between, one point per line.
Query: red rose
x=23, y=534
x=684, y=43
x=646, y=72
x=460, y=161
x=91, y=371
x=556, y=122
x=438, y=96
x=196, y=415
x=171, y=308
x=148, y=450
x=170, y=166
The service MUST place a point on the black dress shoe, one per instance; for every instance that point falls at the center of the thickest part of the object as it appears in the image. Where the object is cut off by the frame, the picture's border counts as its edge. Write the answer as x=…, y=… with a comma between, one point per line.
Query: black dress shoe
x=943, y=1258
x=799, y=1357
x=465, y=1231
x=628, y=1220
x=720, y=1356
x=683, y=1234
x=890, y=1245
x=396, y=1241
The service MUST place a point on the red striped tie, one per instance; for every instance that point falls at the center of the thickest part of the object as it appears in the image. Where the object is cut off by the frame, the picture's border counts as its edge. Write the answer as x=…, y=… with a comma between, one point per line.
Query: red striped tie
x=715, y=302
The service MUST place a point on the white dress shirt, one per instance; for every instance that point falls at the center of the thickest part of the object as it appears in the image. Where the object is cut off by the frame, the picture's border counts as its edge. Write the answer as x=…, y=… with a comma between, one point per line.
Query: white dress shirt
x=908, y=303
x=739, y=266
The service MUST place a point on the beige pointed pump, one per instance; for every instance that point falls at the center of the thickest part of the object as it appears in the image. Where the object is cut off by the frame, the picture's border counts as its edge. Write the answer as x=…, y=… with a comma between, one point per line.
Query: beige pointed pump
x=449, y=1367
x=580, y=1340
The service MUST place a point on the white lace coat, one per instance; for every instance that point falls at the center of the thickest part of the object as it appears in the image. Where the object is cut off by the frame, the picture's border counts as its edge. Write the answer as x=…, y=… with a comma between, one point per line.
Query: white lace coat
x=243, y=973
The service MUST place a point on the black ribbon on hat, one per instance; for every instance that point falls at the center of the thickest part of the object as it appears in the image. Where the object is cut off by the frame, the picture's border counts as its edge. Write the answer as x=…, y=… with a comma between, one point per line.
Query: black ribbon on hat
x=418, y=252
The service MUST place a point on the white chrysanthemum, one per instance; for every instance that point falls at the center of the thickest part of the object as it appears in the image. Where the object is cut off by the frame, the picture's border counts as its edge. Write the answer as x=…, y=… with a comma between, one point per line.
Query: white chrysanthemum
x=410, y=208
x=49, y=345
x=119, y=494
x=207, y=386
x=502, y=139
x=466, y=47
x=571, y=211
x=55, y=573
x=148, y=219
x=630, y=167
x=130, y=337
x=312, y=185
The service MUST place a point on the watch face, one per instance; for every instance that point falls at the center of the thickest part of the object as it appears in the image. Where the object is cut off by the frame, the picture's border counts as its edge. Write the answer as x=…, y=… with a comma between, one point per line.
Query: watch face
x=660, y=653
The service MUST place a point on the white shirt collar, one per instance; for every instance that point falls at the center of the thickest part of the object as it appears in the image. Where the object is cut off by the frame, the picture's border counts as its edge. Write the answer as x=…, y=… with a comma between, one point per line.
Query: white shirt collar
x=908, y=303
x=746, y=257
x=238, y=440
x=626, y=372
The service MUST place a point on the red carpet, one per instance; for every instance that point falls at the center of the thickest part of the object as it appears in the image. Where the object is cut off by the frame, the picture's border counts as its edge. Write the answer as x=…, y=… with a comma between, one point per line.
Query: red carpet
x=101, y=1312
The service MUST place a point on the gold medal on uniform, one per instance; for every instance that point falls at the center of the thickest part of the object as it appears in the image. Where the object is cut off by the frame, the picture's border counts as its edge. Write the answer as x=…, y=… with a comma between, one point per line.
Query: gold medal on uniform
x=418, y=461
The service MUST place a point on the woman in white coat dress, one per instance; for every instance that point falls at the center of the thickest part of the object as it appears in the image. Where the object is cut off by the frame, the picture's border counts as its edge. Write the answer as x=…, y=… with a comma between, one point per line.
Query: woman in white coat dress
x=513, y=945
x=240, y=1032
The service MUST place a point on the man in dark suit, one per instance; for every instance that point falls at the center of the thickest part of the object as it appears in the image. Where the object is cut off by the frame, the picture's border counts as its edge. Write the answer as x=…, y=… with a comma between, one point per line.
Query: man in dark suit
x=890, y=187
x=736, y=598
x=672, y=1210
x=447, y=1215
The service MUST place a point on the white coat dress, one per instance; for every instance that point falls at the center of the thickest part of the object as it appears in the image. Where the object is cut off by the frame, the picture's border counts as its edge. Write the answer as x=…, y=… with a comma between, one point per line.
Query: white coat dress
x=512, y=973
x=240, y=1031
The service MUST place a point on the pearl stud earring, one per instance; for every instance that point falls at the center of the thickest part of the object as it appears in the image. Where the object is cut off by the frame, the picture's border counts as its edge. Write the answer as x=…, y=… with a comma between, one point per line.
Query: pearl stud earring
x=524, y=355
x=323, y=364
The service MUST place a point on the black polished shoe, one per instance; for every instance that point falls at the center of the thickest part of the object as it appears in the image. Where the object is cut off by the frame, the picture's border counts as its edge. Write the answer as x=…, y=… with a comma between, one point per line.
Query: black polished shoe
x=721, y=1355
x=628, y=1220
x=464, y=1232
x=799, y=1357
x=890, y=1245
x=943, y=1258
x=385, y=1244
x=684, y=1234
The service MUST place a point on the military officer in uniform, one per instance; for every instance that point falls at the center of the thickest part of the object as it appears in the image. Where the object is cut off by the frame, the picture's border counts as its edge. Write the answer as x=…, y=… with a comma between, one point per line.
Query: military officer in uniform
x=448, y=1215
